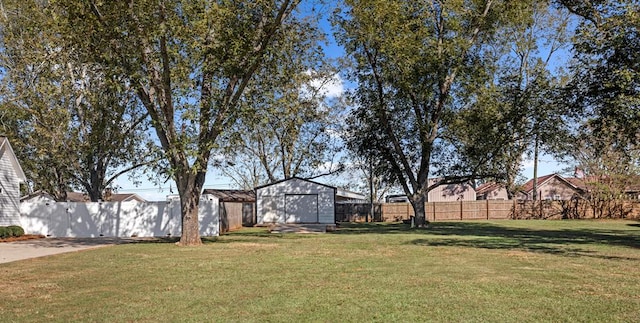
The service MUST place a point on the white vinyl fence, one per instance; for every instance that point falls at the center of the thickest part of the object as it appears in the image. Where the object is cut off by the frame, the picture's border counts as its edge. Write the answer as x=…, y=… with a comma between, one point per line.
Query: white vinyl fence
x=113, y=219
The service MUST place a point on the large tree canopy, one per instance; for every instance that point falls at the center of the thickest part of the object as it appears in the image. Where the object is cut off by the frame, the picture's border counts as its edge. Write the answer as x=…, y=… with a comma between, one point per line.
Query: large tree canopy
x=416, y=64
x=604, y=96
x=604, y=90
x=71, y=123
x=188, y=63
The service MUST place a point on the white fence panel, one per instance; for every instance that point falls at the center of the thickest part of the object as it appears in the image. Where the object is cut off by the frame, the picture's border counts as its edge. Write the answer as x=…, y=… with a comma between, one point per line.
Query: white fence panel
x=114, y=219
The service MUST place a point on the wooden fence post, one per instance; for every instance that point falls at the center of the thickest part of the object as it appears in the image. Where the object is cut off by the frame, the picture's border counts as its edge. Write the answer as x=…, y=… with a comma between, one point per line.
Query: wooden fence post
x=461, y=215
x=487, y=209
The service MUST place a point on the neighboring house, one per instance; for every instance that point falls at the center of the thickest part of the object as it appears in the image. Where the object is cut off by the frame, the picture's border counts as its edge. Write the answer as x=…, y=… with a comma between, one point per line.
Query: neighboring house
x=11, y=176
x=451, y=192
x=37, y=197
x=344, y=196
x=109, y=197
x=295, y=200
x=236, y=208
x=78, y=197
x=491, y=191
x=551, y=187
x=396, y=198
x=441, y=193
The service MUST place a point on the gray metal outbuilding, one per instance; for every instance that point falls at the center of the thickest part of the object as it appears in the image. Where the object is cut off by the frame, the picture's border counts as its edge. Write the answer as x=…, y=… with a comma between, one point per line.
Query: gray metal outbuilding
x=295, y=200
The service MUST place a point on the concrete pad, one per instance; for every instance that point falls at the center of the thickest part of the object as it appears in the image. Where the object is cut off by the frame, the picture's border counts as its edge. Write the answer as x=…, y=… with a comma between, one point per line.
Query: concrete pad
x=20, y=250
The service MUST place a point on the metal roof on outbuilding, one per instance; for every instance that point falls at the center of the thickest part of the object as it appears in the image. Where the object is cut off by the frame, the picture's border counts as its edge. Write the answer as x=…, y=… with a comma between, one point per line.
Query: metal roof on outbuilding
x=232, y=195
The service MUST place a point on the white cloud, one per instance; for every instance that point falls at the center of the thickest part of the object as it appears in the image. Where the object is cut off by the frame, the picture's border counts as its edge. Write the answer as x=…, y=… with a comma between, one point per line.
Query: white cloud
x=329, y=88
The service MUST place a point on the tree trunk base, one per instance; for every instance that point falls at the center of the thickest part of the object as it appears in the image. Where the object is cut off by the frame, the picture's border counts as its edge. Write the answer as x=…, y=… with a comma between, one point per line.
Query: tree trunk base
x=189, y=244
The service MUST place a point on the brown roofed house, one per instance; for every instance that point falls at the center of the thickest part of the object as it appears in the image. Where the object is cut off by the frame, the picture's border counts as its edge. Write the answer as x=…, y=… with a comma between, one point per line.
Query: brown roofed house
x=491, y=191
x=552, y=187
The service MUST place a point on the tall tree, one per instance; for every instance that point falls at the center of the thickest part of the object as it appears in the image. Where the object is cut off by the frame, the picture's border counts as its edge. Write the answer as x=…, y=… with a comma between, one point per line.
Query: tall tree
x=516, y=109
x=410, y=60
x=293, y=132
x=604, y=93
x=605, y=83
x=189, y=64
x=76, y=128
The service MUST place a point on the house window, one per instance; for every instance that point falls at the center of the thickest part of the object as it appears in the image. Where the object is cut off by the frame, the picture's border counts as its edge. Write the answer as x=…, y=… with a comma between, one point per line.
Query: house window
x=556, y=197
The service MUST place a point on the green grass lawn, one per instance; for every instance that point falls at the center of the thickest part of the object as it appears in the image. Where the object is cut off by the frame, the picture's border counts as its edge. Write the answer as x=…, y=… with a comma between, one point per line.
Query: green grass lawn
x=518, y=271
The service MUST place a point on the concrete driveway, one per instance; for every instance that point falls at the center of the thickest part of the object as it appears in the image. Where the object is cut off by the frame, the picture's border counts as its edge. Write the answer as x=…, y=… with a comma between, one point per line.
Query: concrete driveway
x=20, y=250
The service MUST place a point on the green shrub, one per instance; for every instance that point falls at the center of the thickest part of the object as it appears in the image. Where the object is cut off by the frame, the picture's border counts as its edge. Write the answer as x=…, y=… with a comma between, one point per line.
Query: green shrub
x=17, y=231
x=5, y=232
x=11, y=231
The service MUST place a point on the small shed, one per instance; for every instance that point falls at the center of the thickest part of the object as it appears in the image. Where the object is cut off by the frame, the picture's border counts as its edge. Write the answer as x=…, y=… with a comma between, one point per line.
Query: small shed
x=236, y=208
x=11, y=175
x=295, y=200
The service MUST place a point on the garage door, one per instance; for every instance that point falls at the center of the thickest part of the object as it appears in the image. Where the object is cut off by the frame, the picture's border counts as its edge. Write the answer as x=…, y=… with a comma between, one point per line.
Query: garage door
x=301, y=208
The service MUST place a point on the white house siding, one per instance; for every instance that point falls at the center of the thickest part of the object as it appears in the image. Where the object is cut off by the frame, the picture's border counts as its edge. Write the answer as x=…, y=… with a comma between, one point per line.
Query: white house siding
x=295, y=201
x=9, y=186
x=113, y=219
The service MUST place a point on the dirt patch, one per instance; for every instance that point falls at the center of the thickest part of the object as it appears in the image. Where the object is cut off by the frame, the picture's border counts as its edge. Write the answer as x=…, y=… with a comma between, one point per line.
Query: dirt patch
x=23, y=238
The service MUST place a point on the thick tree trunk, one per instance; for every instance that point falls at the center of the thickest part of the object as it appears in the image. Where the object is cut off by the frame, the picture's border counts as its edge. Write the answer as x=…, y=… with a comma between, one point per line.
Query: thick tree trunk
x=189, y=189
x=420, y=218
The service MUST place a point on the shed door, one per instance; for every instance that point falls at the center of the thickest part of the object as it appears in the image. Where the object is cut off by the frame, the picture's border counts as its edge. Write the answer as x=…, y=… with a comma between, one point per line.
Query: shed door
x=301, y=208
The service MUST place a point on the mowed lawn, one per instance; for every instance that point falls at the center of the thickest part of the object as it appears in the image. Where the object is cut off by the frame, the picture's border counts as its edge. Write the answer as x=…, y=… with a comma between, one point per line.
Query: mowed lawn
x=512, y=271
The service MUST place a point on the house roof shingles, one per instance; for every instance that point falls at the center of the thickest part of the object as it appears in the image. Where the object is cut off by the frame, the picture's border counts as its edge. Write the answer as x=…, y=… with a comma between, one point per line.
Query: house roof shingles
x=528, y=186
x=120, y=197
x=488, y=187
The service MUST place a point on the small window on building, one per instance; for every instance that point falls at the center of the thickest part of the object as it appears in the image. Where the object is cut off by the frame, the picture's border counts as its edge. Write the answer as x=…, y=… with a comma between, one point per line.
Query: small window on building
x=556, y=197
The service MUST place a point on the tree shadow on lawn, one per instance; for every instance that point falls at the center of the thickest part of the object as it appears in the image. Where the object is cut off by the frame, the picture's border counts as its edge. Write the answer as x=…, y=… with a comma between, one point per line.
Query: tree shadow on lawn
x=375, y=227
x=253, y=235
x=492, y=236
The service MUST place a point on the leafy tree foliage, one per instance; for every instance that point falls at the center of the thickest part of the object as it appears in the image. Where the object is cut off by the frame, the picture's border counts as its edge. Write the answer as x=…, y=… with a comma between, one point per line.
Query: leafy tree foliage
x=73, y=127
x=517, y=109
x=415, y=63
x=188, y=63
x=293, y=131
x=604, y=94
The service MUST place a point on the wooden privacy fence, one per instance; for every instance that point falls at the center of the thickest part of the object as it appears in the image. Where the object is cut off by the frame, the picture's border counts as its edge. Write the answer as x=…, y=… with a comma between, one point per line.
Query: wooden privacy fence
x=490, y=210
x=358, y=212
x=114, y=219
x=577, y=209
x=462, y=210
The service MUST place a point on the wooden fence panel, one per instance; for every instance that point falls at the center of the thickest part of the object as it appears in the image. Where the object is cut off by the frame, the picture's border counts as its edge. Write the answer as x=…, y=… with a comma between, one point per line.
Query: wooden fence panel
x=357, y=212
x=446, y=210
x=479, y=210
x=500, y=210
x=393, y=212
x=474, y=210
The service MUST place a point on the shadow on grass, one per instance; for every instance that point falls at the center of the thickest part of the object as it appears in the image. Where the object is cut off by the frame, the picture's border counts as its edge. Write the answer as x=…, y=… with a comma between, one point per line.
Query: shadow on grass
x=377, y=228
x=259, y=235
x=485, y=235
